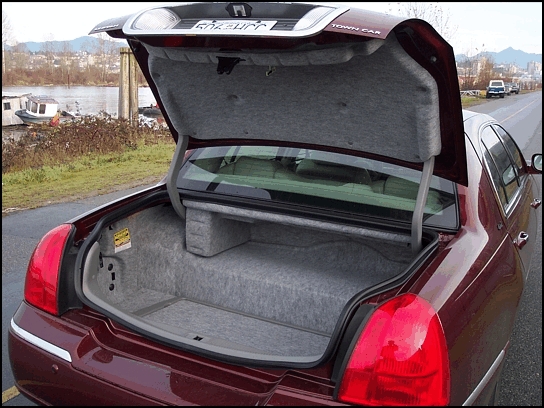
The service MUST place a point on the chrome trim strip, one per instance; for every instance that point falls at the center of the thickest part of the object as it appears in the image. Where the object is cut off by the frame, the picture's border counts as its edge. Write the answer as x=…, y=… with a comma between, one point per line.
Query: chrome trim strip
x=44, y=345
x=487, y=377
x=335, y=12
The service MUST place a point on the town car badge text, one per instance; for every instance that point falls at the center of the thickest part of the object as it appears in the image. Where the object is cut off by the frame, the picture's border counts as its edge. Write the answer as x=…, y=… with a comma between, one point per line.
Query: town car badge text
x=350, y=28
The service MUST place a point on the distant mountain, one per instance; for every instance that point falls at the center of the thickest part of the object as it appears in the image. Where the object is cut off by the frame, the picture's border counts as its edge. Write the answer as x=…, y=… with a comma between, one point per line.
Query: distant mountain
x=85, y=43
x=507, y=56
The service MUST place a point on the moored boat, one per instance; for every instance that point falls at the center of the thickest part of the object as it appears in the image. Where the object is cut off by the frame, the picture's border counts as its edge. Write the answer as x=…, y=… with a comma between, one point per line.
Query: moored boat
x=39, y=109
x=12, y=102
x=150, y=111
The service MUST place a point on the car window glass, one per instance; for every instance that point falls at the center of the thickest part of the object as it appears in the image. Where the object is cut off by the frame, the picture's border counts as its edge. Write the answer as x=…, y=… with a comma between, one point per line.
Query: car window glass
x=513, y=149
x=500, y=166
x=318, y=179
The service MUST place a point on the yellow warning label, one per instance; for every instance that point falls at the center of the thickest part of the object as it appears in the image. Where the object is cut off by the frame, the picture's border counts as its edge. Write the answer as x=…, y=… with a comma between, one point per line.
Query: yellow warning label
x=121, y=240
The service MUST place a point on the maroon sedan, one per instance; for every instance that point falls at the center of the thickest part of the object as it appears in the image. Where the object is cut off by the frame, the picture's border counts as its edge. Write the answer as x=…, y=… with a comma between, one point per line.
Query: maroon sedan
x=333, y=229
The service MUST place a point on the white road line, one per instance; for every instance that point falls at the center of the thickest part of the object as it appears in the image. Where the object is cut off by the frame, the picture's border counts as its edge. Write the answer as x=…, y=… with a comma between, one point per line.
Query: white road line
x=515, y=113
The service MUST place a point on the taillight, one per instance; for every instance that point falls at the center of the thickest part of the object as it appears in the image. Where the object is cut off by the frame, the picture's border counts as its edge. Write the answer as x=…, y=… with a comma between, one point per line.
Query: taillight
x=42, y=275
x=400, y=358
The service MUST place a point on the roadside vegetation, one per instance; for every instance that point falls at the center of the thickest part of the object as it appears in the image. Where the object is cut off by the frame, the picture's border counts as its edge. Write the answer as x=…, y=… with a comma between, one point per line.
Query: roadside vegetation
x=91, y=156
x=468, y=101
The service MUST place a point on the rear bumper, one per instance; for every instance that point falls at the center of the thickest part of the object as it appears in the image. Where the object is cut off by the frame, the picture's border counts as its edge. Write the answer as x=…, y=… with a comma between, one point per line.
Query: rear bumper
x=48, y=379
x=83, y=360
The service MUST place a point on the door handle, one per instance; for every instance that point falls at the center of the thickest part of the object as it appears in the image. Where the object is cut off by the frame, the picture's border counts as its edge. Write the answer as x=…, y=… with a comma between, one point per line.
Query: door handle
x=536, y=203
x=521, y=240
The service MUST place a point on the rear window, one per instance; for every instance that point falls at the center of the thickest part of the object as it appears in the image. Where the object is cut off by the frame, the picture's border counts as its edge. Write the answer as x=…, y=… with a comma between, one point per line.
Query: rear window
x=316, y=179
x=496, y=83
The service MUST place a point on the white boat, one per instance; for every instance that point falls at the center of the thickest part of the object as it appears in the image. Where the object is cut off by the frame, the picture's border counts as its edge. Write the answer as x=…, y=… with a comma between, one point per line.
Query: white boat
x=39, y=109
x=12, y=102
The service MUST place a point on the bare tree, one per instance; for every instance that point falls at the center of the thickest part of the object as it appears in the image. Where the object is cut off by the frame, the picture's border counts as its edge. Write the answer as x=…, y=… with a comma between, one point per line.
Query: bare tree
x=469, y=67
x=7, y=37
x=48, y=49
x=107, y=50
x=7, y=30
x=66, y=55
x=486, y=72
x=433, y=13
x=467, y=71
x=21, y=57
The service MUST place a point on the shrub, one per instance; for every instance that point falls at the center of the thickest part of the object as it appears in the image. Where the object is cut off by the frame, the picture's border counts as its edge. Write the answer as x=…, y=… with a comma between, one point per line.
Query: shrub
x=94, y=135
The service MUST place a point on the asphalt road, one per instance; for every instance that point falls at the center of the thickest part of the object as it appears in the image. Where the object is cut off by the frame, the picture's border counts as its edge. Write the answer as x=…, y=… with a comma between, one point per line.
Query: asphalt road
x=521, y=382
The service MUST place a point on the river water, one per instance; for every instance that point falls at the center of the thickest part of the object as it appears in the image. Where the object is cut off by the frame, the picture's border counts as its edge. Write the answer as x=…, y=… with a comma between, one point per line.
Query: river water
x=90, y=100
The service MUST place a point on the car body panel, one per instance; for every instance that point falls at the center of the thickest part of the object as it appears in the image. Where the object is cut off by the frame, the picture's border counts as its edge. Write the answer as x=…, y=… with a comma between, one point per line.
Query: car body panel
x=103, y=352
x=521, y=218
x=470, y=275
x=523, y=221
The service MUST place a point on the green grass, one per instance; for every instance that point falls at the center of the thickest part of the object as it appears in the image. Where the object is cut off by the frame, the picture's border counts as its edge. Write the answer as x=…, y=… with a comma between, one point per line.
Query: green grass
x=468, y=101
x=85, y=177
x=74, y=160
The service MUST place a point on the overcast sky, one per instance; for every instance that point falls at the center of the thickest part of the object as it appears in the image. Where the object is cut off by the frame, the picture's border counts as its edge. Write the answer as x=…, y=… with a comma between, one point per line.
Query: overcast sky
x=492, y=26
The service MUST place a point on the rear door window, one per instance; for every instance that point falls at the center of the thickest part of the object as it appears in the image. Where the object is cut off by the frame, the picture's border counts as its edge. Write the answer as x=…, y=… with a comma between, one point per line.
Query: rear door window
x=513, y=150
x=504, y=163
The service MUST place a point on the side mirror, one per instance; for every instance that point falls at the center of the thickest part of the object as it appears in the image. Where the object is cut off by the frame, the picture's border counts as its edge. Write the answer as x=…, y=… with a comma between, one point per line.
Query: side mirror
x=536, y=162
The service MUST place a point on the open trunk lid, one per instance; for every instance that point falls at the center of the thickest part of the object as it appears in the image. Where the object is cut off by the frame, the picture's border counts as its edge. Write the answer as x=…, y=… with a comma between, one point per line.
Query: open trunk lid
x=346, y=79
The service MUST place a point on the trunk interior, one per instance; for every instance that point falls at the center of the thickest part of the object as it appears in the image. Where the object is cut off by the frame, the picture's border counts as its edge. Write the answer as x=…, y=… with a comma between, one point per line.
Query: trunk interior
x=237, y=282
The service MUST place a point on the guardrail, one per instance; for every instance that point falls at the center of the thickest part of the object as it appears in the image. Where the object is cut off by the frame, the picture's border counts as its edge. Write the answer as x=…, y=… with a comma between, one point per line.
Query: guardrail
x=473, y=92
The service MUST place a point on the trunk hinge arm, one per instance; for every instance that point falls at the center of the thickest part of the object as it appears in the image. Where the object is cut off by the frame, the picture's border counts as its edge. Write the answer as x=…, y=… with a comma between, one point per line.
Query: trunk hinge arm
x=421, y=200
x=172, y=176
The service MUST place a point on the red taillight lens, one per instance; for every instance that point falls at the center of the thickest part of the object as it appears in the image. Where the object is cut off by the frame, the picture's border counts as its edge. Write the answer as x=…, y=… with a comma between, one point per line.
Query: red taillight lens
x=42, y=275
x=400, y=358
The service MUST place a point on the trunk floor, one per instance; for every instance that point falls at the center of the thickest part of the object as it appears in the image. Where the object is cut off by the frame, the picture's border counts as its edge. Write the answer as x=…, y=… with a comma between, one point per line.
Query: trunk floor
x=228, y=328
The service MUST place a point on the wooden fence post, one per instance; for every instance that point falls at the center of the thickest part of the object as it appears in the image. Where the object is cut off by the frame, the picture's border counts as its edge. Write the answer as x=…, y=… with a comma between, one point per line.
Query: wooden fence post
x=124, y=83
x=128, y=86
x=133, y=94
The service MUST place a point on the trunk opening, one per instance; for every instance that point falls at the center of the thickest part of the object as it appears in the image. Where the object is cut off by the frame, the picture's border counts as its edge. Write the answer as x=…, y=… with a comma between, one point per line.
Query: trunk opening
x=238, y=283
